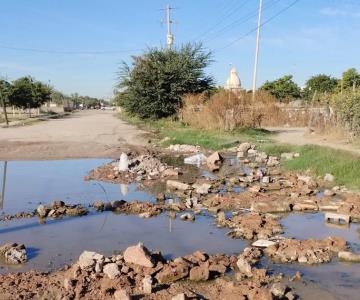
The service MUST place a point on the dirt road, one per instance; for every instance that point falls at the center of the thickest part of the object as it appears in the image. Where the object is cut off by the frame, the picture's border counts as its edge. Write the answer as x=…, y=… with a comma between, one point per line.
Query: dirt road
x=81, y=135
x=301, y=136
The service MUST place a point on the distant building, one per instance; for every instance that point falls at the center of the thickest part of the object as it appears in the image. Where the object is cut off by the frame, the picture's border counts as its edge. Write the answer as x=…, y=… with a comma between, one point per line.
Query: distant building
x=233, y=83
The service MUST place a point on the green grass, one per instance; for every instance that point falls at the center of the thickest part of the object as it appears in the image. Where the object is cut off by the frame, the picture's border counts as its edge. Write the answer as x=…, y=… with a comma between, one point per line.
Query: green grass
x=344, y=165
x=176, y=132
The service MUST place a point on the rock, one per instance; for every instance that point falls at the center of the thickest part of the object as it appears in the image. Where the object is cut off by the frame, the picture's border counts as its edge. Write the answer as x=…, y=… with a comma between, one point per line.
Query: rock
x=349, y=256
x=213, y=161
x=329, y=193
x=278, y=290
x=266, y=179
x=170, y=173
x=147, y=284
x=138, y=255
x=338, y=218
x=187, y=217
x=121, y=295
x=244, y=266
x=98, y=205
x=69, y=284
x=123, y=163
x=244, y=147
x=173, y=272
x=202, y=189
x=176, y=185
x=88, y=259
x=329, y=177
x=272, y=161
x=290, y=295
x=181, y=296
x=111, y=270
x=14, y=253
x=199, y=273
x=263, y=243
x=42, y=211
x=56, y=204
x=184, y=148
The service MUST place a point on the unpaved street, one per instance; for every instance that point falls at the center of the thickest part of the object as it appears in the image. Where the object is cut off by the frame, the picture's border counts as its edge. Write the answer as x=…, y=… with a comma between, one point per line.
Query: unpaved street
x=81, y=135
x=300, y=136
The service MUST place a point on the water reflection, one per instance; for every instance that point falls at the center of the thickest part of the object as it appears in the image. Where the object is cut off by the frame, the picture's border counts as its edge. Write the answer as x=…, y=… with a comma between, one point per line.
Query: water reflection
x=2, y=195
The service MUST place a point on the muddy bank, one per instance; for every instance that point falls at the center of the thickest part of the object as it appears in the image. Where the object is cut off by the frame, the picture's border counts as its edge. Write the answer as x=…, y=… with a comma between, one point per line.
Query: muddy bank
x=137, y=272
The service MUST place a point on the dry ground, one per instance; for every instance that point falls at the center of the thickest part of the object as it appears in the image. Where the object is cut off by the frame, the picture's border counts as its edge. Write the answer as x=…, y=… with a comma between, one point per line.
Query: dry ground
x=301, y=136
x=81, y=135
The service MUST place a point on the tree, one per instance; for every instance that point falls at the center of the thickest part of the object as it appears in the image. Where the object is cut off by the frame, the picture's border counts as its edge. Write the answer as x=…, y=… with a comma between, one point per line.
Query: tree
x=154, y=84
x=5, y=91
x=27, y=93
x=283, y=88
x=350, y=78
x=321, y=83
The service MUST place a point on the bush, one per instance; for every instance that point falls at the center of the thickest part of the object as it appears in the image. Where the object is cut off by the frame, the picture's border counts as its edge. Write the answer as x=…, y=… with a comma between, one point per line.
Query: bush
x=346, y=108
x=226, y=110
x=153, y=86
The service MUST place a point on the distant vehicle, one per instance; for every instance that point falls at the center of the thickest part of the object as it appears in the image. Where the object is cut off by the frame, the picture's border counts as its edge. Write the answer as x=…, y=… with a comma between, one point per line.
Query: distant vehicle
x=107, y=108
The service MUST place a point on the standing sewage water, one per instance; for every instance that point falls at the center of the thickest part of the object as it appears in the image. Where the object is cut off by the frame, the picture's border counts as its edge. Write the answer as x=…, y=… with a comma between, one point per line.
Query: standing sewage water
x=51, y=245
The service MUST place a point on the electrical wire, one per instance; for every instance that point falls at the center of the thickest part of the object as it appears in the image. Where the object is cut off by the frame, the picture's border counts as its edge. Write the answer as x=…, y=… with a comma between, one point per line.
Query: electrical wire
x=228, y=14
x=262, y=24
x=241, y=20
x=48, y=51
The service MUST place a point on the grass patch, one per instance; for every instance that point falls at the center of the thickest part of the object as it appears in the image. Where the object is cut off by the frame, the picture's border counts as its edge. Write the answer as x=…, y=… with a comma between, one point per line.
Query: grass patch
x=344, y=165
x=179, y=133
x=320, y=160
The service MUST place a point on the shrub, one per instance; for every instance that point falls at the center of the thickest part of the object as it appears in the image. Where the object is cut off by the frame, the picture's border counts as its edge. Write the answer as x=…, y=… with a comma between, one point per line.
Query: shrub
x=153, y=86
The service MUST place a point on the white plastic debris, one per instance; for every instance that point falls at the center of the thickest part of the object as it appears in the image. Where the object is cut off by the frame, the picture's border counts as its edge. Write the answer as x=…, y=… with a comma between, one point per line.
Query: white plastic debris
x=124, y=162
x=197, y=159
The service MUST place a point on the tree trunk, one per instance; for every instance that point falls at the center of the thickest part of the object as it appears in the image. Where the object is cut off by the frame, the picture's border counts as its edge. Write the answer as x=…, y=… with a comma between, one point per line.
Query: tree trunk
x=4, y=109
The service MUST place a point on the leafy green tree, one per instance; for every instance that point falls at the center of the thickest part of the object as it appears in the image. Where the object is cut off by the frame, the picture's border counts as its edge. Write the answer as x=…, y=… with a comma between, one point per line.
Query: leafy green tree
x=283, y=88
x=154, y=84
x=349, y=77
x=27, y=93
x=321, y=83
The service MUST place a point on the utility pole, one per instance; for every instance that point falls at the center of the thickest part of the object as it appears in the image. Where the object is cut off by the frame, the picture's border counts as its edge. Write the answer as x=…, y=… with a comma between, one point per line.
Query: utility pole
x=169, y=35
x=256, y=51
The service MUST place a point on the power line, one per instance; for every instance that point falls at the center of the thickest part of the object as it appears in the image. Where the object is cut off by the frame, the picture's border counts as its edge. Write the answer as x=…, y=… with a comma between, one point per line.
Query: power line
x=262, y=24
x=241, y=20
x=52, y=51
x=228, y=14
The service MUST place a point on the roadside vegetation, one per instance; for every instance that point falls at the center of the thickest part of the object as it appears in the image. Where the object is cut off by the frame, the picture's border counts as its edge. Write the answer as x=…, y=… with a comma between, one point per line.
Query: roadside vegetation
x=168, y=93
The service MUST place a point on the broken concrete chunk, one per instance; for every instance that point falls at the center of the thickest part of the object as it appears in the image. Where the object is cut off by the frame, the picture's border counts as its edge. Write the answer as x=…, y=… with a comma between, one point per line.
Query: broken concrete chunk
x=349, y=256
x=177, y=185
x=138, y=255
x=263, y=243
x=111, y=270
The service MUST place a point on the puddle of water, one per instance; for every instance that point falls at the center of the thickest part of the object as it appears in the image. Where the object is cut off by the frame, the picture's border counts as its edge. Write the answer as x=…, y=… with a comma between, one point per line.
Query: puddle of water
x=58, y=242
x=30, y=182
x=341, y=279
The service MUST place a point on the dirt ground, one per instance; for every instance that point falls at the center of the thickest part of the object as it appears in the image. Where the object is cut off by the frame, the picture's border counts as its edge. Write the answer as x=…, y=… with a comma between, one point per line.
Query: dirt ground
x=82, y=135
x=301, y=136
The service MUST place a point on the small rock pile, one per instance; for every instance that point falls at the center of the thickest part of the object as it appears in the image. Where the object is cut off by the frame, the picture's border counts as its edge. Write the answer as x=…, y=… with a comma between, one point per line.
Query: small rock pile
x=144, y=209
x=13, y=253
x=140, y=168
x=253, y=226
x=306, y=251
x=59, y=209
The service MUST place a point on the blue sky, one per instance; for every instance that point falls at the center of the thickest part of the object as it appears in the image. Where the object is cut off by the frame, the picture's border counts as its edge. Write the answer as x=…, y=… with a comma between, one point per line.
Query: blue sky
x=312, y=37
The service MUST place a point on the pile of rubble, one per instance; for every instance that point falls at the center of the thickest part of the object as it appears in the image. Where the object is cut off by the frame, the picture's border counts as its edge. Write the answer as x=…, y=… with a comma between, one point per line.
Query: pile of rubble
x=306, y=251
x=60, y=209
x=142, y=167
x=143, y=209
x=13, y=253
x=139, y=273
x=251, y=226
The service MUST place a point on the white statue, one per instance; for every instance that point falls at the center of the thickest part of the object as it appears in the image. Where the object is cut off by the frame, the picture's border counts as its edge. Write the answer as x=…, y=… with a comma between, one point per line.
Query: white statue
x=233, y=83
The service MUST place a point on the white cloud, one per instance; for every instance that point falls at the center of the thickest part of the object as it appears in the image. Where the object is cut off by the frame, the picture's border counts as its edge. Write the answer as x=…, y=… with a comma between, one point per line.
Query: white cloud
x=337, y=12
